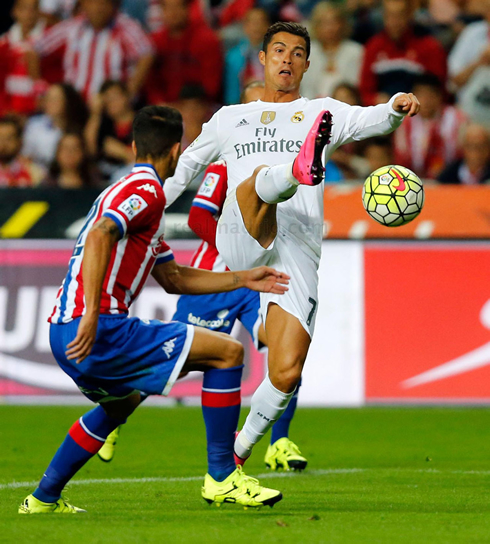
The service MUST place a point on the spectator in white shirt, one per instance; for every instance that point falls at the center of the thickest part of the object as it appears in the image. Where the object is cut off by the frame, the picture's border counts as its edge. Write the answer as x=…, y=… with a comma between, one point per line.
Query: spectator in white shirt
x=469, y=68
x=64, y=110
x=334, y=59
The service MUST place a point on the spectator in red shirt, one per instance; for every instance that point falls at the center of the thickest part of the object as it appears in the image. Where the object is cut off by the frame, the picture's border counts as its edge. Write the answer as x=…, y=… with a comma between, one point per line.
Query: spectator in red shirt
x=187, y=52
x=15, y=171
x=395, y=56
x=18, y=92
x=98, y=45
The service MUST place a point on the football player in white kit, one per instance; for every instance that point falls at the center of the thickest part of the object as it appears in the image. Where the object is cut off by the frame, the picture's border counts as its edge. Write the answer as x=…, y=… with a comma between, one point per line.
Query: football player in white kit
x=275, y=217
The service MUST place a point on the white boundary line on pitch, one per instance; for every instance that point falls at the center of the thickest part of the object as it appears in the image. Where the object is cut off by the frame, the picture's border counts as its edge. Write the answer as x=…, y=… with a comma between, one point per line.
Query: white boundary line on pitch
x=15, y=485
x=318, y=472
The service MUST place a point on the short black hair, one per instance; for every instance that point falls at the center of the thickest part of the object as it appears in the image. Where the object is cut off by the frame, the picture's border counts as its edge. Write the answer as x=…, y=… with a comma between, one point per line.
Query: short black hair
x=291, y=28
x=155, y=130
x=429, y=80
x=13, y=121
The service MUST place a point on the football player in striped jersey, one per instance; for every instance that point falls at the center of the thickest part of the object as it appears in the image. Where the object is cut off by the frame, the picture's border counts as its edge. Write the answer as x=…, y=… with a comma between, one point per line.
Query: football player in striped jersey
x=113, y=358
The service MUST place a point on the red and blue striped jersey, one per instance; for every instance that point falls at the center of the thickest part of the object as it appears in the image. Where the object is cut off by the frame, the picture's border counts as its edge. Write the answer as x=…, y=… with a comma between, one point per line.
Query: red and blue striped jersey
x=136, y=204
x=211, y=197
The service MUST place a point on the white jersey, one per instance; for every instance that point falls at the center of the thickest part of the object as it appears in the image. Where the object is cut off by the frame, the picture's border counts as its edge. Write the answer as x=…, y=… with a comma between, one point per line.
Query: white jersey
x=267, y=133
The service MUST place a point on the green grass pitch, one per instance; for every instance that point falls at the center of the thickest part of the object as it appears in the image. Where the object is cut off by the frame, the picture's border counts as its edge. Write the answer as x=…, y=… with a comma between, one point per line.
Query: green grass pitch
x=375, y=475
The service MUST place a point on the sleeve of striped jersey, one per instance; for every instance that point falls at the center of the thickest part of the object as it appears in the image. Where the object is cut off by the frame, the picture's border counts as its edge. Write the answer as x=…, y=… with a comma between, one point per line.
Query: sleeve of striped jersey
x=166, y=254
x=135, y=207
x=202, y=152
x=212, y=192
x=136, y=42
x=53, y=39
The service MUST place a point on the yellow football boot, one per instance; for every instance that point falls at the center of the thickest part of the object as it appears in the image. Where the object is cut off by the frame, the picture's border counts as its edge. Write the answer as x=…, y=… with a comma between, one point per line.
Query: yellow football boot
x=284, y=454
x=106, y=452
x=31, y=505
x=239, y=488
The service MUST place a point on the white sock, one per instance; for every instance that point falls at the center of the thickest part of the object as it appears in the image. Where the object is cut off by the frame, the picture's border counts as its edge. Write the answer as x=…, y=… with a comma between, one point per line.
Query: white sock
x=268, y=404
x=276, y=183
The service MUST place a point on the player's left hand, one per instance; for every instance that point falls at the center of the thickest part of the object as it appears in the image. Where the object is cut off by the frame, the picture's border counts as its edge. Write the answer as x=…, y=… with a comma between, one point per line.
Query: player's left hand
x=267, y=280
x=81, y=346
x=407, y=103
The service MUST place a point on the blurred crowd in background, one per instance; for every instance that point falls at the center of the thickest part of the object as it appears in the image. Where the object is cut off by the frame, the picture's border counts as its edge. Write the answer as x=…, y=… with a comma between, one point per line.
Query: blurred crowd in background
x=73, y=73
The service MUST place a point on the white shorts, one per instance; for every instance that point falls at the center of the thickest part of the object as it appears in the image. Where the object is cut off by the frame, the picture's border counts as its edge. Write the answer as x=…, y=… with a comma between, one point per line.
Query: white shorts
x=241, y=251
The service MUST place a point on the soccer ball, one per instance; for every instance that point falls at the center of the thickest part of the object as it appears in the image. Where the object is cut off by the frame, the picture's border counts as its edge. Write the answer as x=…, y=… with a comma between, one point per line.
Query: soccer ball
x=393, y=195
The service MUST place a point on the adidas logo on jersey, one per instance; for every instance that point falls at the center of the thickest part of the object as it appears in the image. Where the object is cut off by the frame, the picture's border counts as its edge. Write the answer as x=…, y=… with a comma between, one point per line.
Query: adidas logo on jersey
x=148, y=187
x=242, y=123
x=168, y=347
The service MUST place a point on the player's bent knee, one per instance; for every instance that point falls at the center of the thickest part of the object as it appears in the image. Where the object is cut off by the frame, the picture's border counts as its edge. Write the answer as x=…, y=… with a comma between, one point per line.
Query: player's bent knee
x=233, y=354
x=286, y=378
x=249, y=183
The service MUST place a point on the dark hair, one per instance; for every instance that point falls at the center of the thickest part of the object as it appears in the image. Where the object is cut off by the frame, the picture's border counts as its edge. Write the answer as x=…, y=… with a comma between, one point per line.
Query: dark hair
x=155, y=130
x=429, y=80
x=109, y=83
x=352, y=89
x=290, y=28
x=14, y=122
x=76, y=112
x=192, y=91
x=378, y=141
x=85, y=169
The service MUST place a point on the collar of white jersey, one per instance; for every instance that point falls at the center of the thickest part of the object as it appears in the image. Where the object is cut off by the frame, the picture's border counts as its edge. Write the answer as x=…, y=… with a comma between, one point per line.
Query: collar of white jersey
x=148, y=168
x=279, y=103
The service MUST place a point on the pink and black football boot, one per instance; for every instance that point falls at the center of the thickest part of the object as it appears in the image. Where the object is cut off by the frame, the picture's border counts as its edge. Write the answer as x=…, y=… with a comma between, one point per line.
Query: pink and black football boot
x=308, y=167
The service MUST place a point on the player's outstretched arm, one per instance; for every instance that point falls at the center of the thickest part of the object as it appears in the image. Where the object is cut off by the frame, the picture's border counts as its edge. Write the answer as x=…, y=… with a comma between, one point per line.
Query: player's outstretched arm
x=97, y=253
x=177, y=279
x=354, y=123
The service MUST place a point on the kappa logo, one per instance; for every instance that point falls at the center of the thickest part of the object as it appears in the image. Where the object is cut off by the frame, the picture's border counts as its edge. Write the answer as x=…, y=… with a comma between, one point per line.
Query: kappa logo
x=150, y=188
x=242, y=123
x=267, y=117
x=169, y=346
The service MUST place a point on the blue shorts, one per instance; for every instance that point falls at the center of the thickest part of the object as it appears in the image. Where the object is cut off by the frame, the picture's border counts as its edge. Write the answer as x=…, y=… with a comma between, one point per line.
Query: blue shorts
x=129, y=355
x=218, y=312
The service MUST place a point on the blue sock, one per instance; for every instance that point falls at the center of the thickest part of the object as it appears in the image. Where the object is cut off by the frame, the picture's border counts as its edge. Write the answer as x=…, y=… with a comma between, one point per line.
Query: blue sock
x=280, y=428
x=83, y=441
x=221, y=410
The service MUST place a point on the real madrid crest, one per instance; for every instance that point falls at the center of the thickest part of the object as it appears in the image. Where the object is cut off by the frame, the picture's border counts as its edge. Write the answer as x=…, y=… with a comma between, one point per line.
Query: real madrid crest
x=267, y=117
x=298, y=117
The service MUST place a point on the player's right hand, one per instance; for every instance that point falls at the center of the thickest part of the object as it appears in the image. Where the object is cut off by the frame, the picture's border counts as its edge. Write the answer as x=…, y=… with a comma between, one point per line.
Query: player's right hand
x=266, y=280
x=81, y=346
